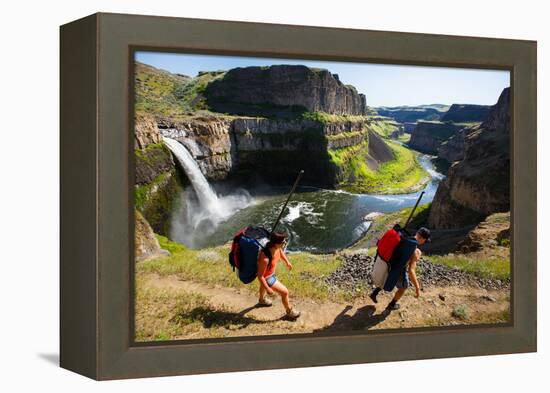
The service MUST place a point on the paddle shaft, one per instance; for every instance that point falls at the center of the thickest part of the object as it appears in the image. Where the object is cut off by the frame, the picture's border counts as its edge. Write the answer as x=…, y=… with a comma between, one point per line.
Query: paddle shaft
x=414, y=208
x=287, y=200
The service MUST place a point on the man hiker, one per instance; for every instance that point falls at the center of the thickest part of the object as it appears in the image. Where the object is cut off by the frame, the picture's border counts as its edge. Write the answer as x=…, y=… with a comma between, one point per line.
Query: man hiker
x=408, y=272
x=266, y=273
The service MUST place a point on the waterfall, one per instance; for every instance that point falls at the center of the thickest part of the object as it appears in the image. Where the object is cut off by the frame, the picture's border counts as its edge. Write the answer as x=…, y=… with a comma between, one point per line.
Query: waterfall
x=206, y=195
x=192, y=222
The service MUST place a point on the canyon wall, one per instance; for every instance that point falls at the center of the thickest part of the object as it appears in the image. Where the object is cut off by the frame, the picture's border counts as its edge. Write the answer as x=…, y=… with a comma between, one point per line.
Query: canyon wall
x=157, y=178
x=427, y=137
x=146, y=245
x=281, y=91
x=269, y=150
x=452, y=149
x=209, y=140
x=479, y=184
x=463, y=113
x=411, y=114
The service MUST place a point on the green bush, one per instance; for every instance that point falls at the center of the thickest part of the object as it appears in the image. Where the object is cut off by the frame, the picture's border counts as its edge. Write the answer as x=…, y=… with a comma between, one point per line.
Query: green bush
x=460, y=312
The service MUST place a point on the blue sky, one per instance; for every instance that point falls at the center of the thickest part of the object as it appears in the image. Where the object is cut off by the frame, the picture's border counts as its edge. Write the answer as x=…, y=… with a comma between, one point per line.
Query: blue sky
x=384, y=85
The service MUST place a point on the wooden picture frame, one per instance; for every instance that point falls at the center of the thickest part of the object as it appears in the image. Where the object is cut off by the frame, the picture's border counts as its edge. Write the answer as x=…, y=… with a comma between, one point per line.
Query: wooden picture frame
x=97, y=215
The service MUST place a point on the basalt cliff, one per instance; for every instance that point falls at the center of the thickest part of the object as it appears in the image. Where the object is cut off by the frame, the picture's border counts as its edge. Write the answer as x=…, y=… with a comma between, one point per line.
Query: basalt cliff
x=281, y=91
x=413, y=114
x=272, y=150
x=261, y=123
x=460, y=113
x=428, y=136
x=479, y=184
x=445, y=136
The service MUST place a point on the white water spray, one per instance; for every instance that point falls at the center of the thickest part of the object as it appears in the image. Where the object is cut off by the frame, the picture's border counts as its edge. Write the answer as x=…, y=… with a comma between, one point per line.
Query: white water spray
x=194, y=221
x=206, y=195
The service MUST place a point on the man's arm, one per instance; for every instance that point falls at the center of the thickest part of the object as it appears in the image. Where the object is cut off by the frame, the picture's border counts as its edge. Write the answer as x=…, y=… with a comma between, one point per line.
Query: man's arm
x=412, y=270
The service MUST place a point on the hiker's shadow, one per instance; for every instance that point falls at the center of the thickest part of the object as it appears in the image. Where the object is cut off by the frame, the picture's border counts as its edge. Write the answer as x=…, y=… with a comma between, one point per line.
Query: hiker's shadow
x=210, y=317
x=364, y=318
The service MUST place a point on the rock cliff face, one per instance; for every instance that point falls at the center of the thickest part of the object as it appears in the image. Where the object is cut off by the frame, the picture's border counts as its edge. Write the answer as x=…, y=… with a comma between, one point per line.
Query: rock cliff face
x=157, y=179
x=452, y=149
x=412, y=114
x=281, y=90
x=491, y=233
x=272, y=150
x=479, y=184
x=409, y=127
x=146, y=131
x=146, y=244
x=209, y=141
x=466, y=113
x=427, y=137
x=151, y=162
x=275, y=150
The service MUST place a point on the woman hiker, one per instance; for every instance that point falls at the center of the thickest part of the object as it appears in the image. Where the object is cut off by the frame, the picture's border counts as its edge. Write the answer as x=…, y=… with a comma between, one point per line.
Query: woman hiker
x=409, y=273
x=266, y=273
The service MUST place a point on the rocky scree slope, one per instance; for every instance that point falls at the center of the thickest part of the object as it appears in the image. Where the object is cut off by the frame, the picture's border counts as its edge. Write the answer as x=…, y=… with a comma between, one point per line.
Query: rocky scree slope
x=356, y=270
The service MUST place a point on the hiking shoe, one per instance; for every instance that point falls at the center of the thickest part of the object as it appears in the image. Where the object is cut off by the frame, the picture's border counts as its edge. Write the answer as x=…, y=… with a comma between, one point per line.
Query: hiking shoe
x=393, y=307
x=293, y=313
x=265, y=302
x=373, y=297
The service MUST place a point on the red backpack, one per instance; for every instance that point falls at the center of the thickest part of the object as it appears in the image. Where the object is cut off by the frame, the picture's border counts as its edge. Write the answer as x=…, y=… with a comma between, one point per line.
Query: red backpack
x=388, y=242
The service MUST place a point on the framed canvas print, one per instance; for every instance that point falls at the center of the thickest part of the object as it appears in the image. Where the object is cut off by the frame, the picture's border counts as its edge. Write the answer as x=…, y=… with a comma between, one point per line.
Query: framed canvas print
x=243, y=196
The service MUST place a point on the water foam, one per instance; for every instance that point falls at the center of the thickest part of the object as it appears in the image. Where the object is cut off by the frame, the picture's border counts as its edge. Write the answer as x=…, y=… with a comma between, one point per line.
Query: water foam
x=200, y=213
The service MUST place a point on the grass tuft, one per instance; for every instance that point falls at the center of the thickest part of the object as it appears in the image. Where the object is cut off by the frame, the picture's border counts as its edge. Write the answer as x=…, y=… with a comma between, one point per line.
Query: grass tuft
x=326, y=118
x=460, y=312
x=495, y=267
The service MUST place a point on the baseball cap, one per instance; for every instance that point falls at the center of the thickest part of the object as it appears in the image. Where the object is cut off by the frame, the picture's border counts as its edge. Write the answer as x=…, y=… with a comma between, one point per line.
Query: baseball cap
x=425, y=233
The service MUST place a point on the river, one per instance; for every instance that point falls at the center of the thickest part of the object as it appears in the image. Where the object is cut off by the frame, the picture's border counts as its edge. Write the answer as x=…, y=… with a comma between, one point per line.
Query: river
x=317, y=220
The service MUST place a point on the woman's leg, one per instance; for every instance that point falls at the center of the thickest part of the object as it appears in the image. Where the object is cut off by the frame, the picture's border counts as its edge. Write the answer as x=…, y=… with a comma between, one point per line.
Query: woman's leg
x=262, y=292
x=283, y=291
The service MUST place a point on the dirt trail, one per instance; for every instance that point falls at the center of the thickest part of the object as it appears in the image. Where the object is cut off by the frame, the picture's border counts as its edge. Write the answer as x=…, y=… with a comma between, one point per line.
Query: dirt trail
x=240, y=316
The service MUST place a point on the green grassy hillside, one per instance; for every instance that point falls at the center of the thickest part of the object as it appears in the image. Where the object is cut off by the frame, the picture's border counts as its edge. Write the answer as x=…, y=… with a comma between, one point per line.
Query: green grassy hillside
x=164, y=94
x=403, y=174
x=385, y=126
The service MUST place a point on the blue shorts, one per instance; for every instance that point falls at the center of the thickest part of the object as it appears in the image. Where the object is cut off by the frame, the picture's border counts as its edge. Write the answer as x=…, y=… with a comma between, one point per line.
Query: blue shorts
x=403, y=282
x=271, y=280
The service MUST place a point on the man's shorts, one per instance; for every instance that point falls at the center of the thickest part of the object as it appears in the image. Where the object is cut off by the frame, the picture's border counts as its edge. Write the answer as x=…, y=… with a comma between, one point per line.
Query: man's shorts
x=403, y=281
